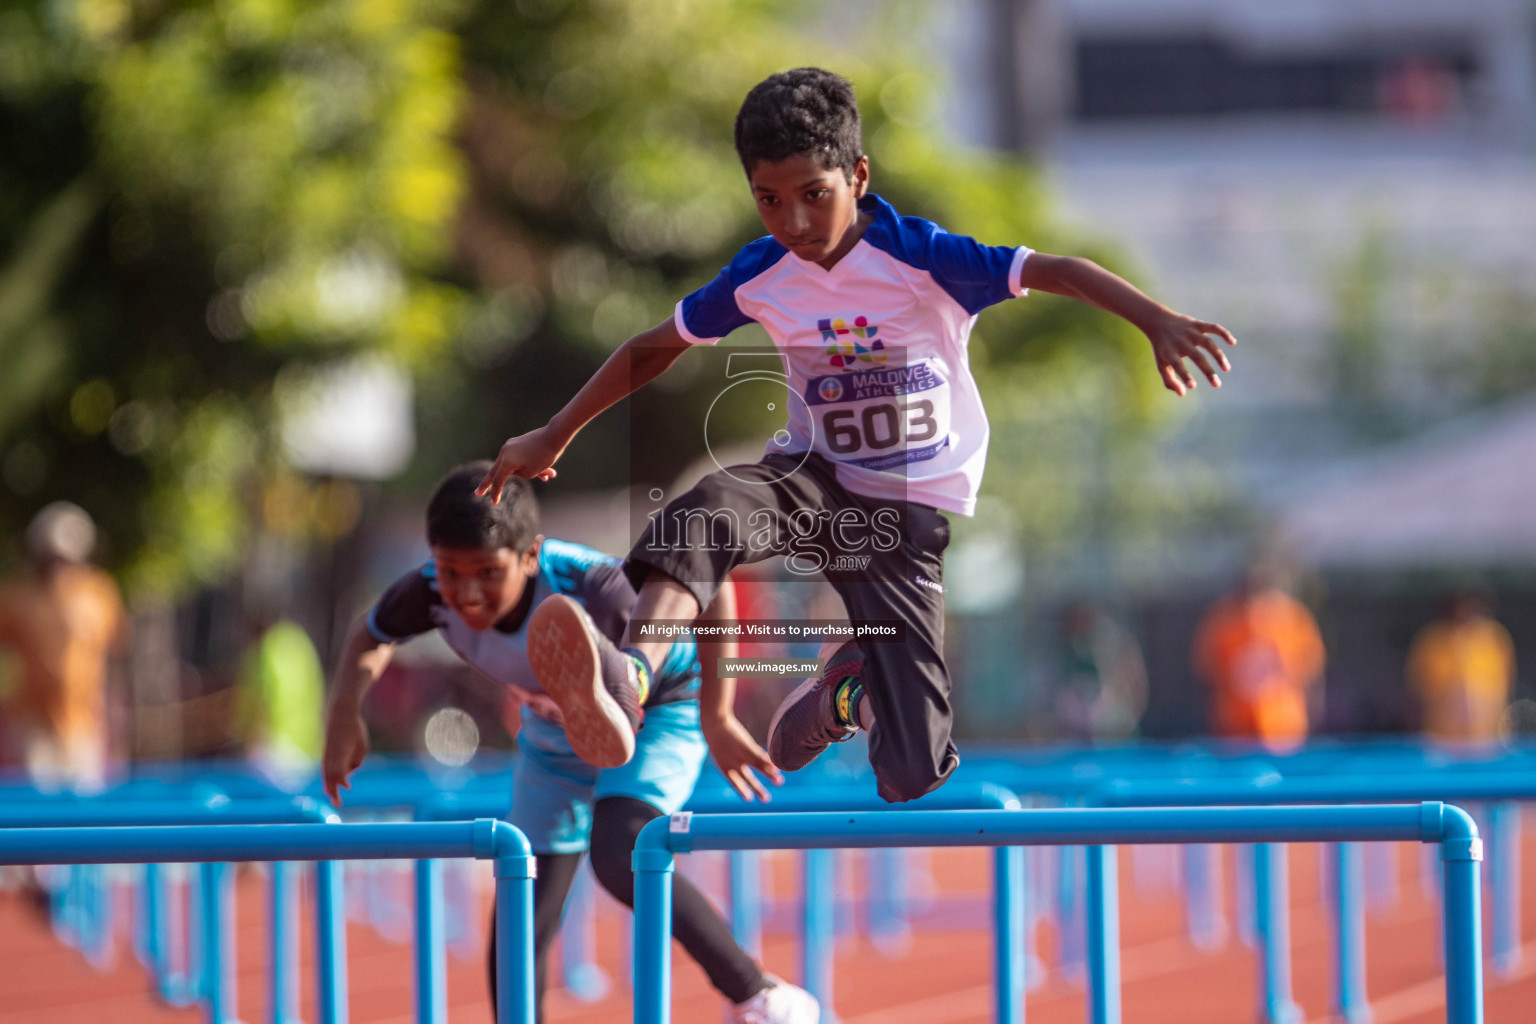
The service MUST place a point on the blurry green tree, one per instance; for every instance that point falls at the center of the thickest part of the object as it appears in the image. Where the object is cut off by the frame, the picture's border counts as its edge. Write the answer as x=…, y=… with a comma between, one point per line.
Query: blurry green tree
x=196, y=196
x=200, y=196
x=605, y=185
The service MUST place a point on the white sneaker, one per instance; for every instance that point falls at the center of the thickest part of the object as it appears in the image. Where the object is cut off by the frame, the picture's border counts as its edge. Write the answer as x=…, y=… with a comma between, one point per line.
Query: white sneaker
x=779, y=1003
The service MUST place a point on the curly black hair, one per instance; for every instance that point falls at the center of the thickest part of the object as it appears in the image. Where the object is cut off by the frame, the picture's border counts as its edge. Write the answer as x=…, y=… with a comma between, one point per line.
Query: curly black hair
x=458, y=518
x=804, y=112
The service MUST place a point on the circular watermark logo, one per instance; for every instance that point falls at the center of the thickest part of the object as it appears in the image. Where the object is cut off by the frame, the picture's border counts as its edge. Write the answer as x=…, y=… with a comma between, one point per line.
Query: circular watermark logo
x=770, y=394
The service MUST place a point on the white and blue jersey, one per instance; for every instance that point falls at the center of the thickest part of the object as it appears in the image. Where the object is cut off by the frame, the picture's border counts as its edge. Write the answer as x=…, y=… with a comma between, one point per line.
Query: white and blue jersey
x=875, y=349
x=413, y=605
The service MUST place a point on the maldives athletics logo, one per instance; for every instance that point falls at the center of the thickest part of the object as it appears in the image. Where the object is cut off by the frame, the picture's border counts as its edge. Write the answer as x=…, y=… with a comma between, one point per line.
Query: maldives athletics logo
x=844, y=350
x=830, y=389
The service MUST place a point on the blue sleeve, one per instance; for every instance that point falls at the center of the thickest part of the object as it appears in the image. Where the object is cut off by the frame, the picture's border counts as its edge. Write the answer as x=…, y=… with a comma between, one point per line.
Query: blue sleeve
x=974, y=275
x=593, y=578
x=711, y=313
x=682, y=659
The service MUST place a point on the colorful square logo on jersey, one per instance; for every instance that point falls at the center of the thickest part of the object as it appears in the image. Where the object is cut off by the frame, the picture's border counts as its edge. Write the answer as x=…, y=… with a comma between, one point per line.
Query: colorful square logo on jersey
x=844, y=349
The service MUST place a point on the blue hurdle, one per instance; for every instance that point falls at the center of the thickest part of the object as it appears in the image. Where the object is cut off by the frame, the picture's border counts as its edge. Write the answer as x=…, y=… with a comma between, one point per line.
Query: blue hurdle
x=330, y=843
x=1349, y=907
x=818, y=925
x=210, y=909
x=1098, y=829
x=1072, y=774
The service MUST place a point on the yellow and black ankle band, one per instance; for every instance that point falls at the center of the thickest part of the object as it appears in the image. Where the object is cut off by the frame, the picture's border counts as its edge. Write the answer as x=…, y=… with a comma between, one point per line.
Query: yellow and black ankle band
x=846, y=702
x=640, y=671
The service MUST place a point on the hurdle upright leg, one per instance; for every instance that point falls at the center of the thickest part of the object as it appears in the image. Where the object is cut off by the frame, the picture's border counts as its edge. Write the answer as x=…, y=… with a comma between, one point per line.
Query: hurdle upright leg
x=217, y=941
x=1009, y=924
x=331, y=941
x=746, y=887
x=1462, y=917
x=1272, y=920
x=1348, y=881
x=514, y=940
x=431, y=956
x=1504, y=881
x=1103, y=936
x=820, y=924
x=284, y=993
x=1202, y=896
x=652, y=945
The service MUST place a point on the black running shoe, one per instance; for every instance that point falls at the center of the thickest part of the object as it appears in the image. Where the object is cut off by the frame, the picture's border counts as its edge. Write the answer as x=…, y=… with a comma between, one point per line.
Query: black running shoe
x=806, y=722
x=596, y=686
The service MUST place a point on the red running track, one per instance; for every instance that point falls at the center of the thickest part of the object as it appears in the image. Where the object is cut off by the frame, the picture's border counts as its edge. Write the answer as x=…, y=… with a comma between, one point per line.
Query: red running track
x=944, y=977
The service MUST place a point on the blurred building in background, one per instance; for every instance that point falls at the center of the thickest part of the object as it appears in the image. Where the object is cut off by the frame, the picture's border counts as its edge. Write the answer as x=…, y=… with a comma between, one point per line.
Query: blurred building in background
x=1350, y=186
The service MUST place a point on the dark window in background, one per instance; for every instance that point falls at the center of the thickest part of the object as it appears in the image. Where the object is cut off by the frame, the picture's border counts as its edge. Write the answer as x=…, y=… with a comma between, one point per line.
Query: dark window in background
x=1203, y=77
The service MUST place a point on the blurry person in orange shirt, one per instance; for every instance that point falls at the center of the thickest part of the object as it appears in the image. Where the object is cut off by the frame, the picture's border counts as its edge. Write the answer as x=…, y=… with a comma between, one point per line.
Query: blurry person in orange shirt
x=1462, y=667
x=1259, y=650
x=63, y=619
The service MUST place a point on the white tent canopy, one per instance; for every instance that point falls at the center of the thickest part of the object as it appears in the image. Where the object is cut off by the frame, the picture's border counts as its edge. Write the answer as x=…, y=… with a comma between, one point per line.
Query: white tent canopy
x=1462, y=495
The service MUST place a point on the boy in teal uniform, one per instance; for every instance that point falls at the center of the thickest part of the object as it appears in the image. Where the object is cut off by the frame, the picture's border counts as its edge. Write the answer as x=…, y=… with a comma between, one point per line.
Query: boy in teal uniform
x=489, y=572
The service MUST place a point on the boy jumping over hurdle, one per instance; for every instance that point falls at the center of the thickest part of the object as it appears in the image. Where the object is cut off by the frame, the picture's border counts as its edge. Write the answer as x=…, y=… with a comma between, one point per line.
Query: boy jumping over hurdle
x=871, y=312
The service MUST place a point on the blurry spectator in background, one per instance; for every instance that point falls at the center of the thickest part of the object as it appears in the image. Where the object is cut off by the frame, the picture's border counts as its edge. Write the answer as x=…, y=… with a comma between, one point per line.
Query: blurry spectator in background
x=281, y=704
x=1462, y=667
x=1103, y=688
x=64, y=621
x=1259, y=650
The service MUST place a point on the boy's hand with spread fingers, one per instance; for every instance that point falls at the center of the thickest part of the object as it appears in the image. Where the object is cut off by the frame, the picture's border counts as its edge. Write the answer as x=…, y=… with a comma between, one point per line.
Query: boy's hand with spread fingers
x=531, y=455
x=737, y=754
x=635, y=363
x=1175, y=338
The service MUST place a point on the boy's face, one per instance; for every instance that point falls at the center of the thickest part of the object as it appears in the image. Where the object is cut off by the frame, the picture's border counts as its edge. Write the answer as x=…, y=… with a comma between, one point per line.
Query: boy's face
x=483, y=585
x=809, y=209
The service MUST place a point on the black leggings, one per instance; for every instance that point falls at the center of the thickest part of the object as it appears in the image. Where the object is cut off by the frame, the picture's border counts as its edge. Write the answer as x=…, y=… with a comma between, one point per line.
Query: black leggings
x=616, y=823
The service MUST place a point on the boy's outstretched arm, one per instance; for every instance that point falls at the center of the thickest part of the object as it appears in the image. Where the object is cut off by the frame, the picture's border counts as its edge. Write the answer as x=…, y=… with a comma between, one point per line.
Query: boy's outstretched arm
x=363, y=660
x=735, y=752
x=1174, y=336
x=635, y=364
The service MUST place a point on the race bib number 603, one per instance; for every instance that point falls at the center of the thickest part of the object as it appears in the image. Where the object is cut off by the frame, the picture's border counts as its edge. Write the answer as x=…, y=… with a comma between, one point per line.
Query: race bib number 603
x=883, y=418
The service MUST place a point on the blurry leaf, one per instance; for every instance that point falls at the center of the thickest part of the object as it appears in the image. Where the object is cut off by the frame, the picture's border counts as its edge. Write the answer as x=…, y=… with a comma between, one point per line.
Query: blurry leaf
x=605, y=180
x=279, y=182
x=33, y=345
x=493, y=194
